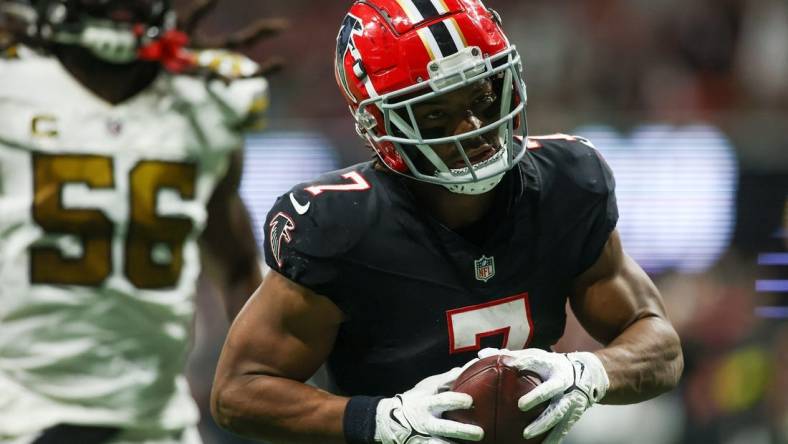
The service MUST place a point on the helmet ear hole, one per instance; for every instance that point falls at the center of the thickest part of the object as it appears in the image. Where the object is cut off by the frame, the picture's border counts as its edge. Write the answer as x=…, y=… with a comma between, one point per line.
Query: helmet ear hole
x=391, y=158
x=366, y=122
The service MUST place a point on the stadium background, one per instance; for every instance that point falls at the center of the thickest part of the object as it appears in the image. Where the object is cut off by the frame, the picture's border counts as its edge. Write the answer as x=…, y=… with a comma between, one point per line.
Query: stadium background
x=688, y=101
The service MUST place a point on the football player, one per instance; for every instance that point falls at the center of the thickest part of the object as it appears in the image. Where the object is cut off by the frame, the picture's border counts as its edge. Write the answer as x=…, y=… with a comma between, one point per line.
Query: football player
x=465, y=237
x=120, y=155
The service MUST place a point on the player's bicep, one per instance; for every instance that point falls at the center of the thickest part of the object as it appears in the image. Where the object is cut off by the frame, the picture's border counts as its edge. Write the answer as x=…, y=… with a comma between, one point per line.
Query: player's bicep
x=284, y=330
x=614, y=293
x=226, y=211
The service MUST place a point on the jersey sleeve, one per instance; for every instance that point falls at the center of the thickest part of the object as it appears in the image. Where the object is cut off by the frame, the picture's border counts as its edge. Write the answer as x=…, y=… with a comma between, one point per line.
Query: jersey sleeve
x=287, y=250
x=603, y=216
x=307, y=240
x=578, y=202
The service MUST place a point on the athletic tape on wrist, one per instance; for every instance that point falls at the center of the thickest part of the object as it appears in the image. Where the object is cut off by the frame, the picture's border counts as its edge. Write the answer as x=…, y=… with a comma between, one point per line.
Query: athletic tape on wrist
x=359, y=421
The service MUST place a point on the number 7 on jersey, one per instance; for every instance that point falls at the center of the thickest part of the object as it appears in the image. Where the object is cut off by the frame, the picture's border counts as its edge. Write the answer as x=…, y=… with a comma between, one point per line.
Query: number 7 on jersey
x=510, y=317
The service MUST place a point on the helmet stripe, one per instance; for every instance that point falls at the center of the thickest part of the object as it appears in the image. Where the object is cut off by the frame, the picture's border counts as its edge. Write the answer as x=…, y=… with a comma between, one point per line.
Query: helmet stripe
x=430, y=44
x=440, y=5
x=420, y=10
x=426, y=8
x=411, y=11
x=444, y=39
x=456, y=33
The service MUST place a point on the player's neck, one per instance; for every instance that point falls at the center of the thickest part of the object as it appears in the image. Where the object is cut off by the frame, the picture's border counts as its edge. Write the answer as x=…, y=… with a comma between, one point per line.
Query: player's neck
x=453, y=210
x=113, y=83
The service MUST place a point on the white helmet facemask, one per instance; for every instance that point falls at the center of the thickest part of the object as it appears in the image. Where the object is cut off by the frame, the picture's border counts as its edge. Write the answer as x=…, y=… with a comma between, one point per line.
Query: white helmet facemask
x=446, y=75
x=112, y=42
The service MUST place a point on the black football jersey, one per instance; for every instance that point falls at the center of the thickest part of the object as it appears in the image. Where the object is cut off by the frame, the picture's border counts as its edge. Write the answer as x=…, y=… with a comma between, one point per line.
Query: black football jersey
x=420, y=298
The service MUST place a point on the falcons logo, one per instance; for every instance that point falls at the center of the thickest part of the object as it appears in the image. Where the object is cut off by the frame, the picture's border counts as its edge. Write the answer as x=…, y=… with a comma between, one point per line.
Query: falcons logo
x=351, y=27
x=280, y=227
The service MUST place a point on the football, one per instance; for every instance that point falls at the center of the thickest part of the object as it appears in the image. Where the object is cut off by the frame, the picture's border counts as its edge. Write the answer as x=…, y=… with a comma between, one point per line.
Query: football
x=495, y=387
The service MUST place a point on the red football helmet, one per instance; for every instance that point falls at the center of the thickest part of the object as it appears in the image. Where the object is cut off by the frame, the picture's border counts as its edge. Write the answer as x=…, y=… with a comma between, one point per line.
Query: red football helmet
x=394, y=54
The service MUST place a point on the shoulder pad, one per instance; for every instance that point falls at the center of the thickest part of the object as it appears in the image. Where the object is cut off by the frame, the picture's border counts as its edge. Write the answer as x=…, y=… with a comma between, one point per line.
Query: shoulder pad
x=575, y=158
x=241, y=97
x=244, y=102
x=244, y=94
x=322, y=218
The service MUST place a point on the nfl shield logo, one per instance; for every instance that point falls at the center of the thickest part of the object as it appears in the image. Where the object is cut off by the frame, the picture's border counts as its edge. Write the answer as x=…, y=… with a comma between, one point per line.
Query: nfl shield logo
x=485, y=268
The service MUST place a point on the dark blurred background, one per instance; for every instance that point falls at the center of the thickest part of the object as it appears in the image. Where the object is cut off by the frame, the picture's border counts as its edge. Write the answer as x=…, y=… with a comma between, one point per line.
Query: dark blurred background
x=687, y=100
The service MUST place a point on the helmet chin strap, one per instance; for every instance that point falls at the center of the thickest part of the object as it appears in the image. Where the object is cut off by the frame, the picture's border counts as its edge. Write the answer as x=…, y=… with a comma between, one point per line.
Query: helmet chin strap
x=492, y=169
x=475, y=188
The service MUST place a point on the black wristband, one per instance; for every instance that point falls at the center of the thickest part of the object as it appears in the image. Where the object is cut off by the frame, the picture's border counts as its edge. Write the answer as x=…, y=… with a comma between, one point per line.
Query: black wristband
x=359, y=421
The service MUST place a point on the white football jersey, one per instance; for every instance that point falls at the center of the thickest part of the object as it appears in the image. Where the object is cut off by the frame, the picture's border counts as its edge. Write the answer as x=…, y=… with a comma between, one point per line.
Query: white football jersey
x=101, y=207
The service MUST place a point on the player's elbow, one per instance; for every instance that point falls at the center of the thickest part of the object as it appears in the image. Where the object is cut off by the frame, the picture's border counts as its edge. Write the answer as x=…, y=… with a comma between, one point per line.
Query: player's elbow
x=668, y=359
x=241, y=404
x=674, y=362
x=224, y=405
x=678, y=370
x=233, y=407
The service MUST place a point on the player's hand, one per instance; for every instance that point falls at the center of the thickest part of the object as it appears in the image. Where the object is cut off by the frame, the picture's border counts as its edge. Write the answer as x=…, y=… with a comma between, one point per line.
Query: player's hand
x=261, y=29
x=227, y=65
x=573, y=382
x=415, y=416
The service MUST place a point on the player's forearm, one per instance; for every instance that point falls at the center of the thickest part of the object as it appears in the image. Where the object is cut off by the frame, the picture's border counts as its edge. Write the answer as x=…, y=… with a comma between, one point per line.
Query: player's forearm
x=278, y=410
x=642, y=362
x=230, y=250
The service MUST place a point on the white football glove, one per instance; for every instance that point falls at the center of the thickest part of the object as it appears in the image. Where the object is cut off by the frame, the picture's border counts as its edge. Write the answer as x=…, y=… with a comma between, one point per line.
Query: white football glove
x=572, y=381
x=414, y=417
